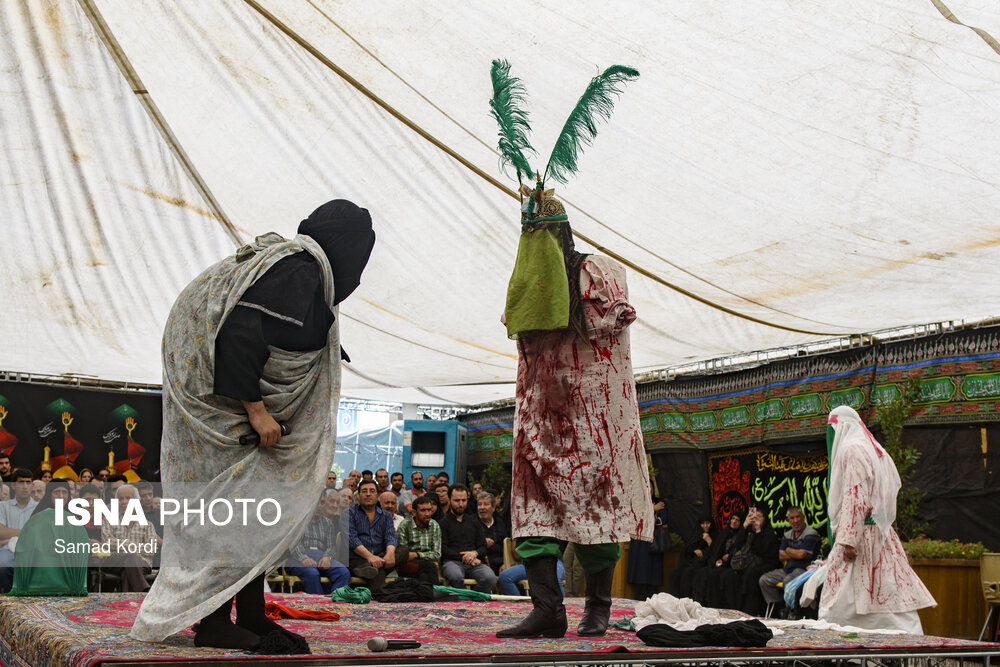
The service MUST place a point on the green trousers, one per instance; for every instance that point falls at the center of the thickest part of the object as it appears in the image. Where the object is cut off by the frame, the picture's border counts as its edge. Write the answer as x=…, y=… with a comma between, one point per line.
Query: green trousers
x=593, y=557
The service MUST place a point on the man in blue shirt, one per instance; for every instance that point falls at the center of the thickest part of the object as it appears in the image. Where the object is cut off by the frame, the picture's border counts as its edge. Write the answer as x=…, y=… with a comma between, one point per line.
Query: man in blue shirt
x=372, y=537
x=14, y=513
x=799, y=547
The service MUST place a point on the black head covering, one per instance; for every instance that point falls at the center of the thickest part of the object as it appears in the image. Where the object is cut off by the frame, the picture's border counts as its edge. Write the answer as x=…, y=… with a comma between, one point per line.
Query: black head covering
x=344, y=231
x=47, y=503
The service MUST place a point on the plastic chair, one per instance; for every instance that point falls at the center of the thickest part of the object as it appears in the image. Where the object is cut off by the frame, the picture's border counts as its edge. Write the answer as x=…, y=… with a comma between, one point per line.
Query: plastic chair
x=770, y=605
x=989, y=575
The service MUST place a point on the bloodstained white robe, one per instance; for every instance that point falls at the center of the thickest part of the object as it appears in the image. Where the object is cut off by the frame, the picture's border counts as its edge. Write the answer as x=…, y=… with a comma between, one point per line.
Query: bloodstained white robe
x=579, y=465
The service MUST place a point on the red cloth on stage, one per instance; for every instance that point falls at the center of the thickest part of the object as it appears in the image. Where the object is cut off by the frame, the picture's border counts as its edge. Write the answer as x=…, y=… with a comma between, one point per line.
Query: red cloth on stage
x=276, y=612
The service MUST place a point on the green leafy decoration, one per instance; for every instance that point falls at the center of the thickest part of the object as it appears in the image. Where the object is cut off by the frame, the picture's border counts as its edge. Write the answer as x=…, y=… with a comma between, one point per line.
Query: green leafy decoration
x=506, y=105
x=597, y=102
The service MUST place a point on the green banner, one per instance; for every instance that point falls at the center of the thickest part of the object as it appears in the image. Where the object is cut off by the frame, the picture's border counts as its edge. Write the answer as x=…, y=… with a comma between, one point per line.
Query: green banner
x=850, y=397
x=768, y=411
x=936, y=390
x=703, y=421
x=673, y=421
x=736, y=417
x=884, y=394
x=649, y=424
x=981, y=386
x=805, y=406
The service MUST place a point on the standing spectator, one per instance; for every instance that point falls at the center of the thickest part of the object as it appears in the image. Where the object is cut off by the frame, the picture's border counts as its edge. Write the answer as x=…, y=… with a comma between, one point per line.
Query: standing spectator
x=331, y=480
x=382, y=479
x=799, y=546
x=372, y=538
x=419, y=538
x=493, y=530
x=314, y=556
x=645, y=566
x=14, y=513
x=463, y=545
x=396, y=483
x=692, y=559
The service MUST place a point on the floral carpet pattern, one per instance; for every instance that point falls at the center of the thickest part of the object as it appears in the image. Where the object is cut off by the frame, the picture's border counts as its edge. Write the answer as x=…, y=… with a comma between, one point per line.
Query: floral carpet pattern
x=86, y=631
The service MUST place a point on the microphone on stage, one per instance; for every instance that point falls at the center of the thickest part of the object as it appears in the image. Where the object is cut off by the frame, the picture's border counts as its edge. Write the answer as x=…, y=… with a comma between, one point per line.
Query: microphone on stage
x=254, y=438
x=379, y=644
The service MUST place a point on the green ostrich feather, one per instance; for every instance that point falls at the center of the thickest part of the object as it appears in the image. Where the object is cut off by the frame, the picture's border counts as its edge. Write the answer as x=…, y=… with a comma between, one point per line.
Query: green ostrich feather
x=508, y=98
x=597, y=102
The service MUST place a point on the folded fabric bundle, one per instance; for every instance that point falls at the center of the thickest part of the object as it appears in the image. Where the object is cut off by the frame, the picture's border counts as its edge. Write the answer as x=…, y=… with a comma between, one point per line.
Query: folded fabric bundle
x=276, y=612
x=751, y=634
x=359, y=595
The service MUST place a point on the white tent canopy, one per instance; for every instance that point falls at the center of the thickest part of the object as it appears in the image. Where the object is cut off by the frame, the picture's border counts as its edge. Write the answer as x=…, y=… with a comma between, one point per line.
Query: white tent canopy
x=780, y=172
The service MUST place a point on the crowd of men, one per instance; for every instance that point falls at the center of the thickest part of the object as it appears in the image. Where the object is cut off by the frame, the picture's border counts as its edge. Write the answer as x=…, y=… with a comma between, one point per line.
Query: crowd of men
x=374, y=525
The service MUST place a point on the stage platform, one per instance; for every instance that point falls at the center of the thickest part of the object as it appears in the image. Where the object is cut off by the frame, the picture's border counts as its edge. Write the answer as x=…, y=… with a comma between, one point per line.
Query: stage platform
x=89, y=631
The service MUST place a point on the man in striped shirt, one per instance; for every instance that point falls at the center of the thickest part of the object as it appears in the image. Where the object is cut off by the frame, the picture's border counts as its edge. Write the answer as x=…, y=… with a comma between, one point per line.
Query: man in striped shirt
x=372, y=537
x=419, y=538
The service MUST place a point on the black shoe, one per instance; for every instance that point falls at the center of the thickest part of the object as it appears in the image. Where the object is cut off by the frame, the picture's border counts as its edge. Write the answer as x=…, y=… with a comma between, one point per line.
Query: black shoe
x=597, y=611
x=548, y=615
x=225, y=634
x=250, y=609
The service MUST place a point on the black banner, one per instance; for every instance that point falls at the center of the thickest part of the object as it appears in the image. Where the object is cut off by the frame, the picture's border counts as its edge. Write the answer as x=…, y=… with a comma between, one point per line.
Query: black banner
x=81, y=428
x=771, y=480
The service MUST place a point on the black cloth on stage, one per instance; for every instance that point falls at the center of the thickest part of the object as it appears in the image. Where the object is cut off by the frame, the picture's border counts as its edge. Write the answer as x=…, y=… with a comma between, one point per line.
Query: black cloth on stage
x=405, y=589
x=751, y=634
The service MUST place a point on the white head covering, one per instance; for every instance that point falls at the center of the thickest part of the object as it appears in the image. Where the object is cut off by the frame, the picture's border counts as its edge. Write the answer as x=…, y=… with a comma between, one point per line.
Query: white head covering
x=851, y=434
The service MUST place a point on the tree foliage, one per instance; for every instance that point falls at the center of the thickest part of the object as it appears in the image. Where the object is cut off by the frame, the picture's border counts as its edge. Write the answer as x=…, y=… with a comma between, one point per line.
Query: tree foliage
x=891, y=419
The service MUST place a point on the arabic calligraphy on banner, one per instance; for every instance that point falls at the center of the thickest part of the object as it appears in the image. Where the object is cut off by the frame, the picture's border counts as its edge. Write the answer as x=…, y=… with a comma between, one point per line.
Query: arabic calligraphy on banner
x=772, y=481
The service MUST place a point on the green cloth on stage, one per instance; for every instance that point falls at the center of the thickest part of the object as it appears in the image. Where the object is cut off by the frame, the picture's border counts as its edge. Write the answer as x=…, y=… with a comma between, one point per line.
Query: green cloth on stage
x=359, y=595
x=39, y=569
x=593, y=557
x=465, y=593
x=538, y=292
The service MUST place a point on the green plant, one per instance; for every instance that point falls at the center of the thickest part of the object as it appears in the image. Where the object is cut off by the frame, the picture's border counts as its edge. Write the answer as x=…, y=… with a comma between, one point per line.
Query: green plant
x=891, y=419
x=496, y=474
x=921, y=548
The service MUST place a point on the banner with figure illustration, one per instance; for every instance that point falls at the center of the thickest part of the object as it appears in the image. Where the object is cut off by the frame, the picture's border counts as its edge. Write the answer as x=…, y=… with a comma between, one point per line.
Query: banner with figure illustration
x=772, y=481
x=66, y=430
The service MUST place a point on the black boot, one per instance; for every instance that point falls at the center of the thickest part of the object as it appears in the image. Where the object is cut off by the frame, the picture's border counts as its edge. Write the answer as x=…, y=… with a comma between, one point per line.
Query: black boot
x=275, y=640
x=597, y=612
x=548, y=615
x=217, y=630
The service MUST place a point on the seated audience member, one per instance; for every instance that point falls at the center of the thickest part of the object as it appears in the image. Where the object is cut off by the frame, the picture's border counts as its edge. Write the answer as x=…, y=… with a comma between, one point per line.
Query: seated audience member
x=476, y=489
x=329, y=503
x=86, y=475
x=494, y=531
x=396, y=483
x=4, y=491
x=115, y=481
x=5, y=467
x=102, y=476
x=46, y=476
x=722, y=583
x=14, y=513
x=693, y=558
x=39, y=568
x=510, y=577
x=372, y=538
x=352, y=480
x=367, y=474
x=37, y=490
x=390, y=503
x=133, y=546
x=431, y=482
x=382, y=479
x=416, y=490
x=443, y=478
x=798, y=548
x=463, y=545
x=441, y=490
x=90, y=493
x=762, y=556
x=146, y=497
x=331, y=479
x=419, y=538
x=315, y=556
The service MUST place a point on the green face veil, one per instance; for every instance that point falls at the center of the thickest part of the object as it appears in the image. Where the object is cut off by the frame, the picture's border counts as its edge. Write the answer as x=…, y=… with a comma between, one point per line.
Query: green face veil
x=830, y=434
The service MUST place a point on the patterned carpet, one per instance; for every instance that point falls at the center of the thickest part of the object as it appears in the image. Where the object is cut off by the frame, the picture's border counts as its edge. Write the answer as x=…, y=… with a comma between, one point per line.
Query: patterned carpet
x=85, y=631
